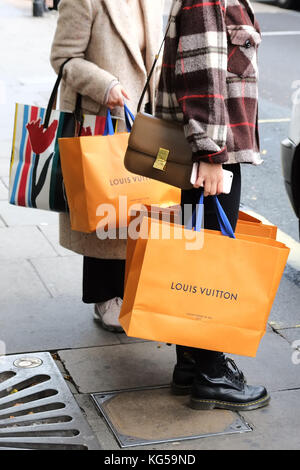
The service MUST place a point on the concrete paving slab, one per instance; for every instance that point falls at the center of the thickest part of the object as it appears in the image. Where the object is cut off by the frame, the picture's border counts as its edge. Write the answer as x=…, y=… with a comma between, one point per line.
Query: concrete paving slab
x=19, y=283
x=5, y=181
x=4, y=167
x=39, y=28
x=5, y=149
x=39, y=323
x=51, y=232
x=124, y=339
x=286, y=308
x=291, y=335
x=153, y=366
x=120, y=367
x=16, y=216
x=62, y=275
x=276, y=426
x=24, y=242
x=273, y=366
x=3, y=192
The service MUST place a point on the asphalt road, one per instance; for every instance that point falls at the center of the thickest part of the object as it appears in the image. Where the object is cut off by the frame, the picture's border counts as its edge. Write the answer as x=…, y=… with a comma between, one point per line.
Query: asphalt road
x=279, y=63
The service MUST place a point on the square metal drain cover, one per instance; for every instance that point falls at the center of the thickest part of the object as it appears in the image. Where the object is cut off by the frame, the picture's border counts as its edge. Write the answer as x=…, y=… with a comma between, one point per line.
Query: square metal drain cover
x=153, y=415
x=37, y=409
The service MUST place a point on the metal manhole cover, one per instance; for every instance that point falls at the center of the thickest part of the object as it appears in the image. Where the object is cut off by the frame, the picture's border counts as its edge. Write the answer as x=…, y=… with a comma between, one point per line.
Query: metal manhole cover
x=147, y=416
x=37, y=409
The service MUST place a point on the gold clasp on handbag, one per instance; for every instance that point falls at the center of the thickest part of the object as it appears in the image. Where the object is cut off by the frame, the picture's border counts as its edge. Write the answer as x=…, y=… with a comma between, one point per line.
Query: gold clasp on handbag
x=161, y=159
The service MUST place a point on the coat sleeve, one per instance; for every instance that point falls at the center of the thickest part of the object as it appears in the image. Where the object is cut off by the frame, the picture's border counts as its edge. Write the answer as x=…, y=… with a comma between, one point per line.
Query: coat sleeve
x=71, y=40
x=200, y=77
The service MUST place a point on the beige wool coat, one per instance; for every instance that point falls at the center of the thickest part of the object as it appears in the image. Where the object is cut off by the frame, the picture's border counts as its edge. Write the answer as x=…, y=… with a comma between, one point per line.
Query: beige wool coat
x=99, y=36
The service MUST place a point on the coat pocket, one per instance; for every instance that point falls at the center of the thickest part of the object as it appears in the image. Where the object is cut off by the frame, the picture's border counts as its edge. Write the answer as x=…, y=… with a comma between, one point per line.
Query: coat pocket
x=242, y=51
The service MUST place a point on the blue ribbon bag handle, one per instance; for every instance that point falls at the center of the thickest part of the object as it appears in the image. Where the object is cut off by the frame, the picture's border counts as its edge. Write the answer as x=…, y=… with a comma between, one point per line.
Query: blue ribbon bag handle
x=224, y=223
x=197, y=217
x=129, y=118
x=109, y=127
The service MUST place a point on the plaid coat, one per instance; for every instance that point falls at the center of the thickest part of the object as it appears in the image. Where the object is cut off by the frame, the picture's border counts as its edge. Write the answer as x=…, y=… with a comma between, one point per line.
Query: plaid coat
x=209, y=78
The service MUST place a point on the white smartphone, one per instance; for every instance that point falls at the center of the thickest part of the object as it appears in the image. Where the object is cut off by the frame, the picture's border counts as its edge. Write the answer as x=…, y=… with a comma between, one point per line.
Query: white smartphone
x=227, y=178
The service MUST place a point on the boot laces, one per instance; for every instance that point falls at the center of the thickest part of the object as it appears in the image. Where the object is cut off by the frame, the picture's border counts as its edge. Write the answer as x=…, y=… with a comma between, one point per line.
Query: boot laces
x=231, y=370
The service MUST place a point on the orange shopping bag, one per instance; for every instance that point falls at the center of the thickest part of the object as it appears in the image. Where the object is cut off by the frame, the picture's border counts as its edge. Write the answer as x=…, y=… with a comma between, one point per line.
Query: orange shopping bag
x=100, y=191
x=243, y=216
x=246, y=224
x=217, y=297
x=170, y=214
x=251, y=226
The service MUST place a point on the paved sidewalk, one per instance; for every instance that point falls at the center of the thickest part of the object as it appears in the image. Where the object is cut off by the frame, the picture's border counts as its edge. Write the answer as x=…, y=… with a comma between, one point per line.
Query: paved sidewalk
x=40, y=292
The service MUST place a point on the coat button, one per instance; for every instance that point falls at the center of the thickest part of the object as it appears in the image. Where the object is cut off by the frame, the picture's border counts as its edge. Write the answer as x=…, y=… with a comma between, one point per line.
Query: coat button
x=248, y=43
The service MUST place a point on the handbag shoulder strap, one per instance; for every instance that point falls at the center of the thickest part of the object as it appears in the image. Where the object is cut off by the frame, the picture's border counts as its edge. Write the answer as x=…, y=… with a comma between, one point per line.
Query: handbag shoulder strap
x=52, y=100
x=154, y=65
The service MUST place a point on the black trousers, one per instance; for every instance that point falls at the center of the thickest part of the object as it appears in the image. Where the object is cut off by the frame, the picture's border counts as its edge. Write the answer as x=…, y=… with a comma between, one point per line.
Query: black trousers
x=230, y=203
x=103, y=279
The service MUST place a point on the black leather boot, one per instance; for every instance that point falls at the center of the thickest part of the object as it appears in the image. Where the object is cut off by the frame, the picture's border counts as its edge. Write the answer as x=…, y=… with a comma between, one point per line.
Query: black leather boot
x=184, y=371
x=185, y=368
x=222, y=385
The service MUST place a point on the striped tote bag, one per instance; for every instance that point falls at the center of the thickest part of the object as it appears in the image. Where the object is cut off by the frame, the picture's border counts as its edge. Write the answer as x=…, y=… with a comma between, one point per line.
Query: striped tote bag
x=35, y=170
x=36, y=179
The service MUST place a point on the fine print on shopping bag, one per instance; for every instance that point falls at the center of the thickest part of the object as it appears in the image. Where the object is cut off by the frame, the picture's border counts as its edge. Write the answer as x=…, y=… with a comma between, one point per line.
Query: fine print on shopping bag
x=100, y=191
x=218, y=297
x=35, y=171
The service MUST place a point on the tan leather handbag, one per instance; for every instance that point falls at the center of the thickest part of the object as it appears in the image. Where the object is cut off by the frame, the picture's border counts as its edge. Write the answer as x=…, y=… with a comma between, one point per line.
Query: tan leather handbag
x=157, y=148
